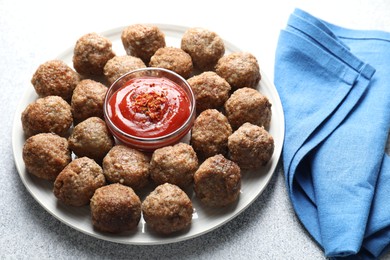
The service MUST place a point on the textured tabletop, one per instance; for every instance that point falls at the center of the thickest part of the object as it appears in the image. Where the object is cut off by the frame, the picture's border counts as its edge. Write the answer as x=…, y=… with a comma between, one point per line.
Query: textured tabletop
x=36, y=31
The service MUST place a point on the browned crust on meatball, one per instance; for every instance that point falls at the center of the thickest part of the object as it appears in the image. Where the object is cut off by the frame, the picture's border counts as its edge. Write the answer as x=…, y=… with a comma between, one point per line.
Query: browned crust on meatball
x=174, y=59
x=115, y=208
x=167, y=209
x=50, y=114
x=91, y=138
x=174, y=164
x=248, y=105
x=77, y=182
x=210, y=90
x=240, y=69
x=55, y=78
x=141, y=40
x=119, y=65
x=127, y=166
x=46, y=155
x=204, y=46
x=91, y=53
x=87, y=100
x=209, y=135
x=217, y=182
x=250, y=146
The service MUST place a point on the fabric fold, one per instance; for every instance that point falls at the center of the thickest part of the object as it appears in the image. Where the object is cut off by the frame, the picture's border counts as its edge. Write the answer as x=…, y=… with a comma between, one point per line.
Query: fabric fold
x=335, y=90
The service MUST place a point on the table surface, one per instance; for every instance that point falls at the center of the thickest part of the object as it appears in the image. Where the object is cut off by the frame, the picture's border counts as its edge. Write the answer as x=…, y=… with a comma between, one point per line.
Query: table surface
x=33, y=32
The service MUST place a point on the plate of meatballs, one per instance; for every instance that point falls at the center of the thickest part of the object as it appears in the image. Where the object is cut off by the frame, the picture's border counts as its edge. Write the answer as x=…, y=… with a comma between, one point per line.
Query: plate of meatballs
x=80, y=173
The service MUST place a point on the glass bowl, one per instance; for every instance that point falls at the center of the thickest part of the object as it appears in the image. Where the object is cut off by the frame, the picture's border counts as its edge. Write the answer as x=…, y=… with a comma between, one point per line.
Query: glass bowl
x=138, y=139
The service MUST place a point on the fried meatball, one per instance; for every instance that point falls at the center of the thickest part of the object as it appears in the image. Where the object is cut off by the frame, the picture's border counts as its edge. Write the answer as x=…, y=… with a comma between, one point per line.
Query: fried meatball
x=167, y=209
x=205, y=47
x=91, y=53
x=77, y=182
x=141, y=40
x=46, y=155
x=217, y=182
x=91, y=138
x=87, y=100
x=115, y=208
x=240, y=69
x=248, y=105
x=250, y=146
x=55, y=78
x=127, y=166
x=51, y=114
x=174, y=59
x=174, y=164
x=210, y=90
x=209, y=135
x=120, y=65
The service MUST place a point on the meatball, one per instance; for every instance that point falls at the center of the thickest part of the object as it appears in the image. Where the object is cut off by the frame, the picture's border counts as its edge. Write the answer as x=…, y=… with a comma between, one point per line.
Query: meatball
x=115, y=208
x=127, y=166
x=250, y=146
x=91, y=53
x=248, y=105
x=210, y=90
x=45, y=155
x=217, y=182
x=174, y=59
x=55, y=78
x=141, y=40
x=174, y=164
x=77, y=182
x=210, y=132
x=120, y=65
x=205, y=47
x=167, y=209
x=87, y=100
x=91, y=138
x=51, y=114
x=240, y=69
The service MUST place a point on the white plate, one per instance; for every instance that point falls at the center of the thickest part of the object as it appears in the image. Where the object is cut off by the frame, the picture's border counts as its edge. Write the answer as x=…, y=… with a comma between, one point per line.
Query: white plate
x=204, y=220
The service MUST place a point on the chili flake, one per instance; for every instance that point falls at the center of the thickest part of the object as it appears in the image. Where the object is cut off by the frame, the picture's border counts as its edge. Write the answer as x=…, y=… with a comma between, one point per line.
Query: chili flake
x=151, y=104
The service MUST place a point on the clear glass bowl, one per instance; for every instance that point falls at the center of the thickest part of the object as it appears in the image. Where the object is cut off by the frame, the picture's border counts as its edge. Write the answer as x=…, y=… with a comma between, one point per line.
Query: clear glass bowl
x=150, y=143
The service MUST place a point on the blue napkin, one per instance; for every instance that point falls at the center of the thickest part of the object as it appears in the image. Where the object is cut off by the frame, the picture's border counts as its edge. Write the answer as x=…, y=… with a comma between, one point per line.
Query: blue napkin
x=334, y=84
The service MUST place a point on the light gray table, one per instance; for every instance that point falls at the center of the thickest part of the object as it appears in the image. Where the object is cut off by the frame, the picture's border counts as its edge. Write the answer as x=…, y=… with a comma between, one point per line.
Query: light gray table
x=35, y=31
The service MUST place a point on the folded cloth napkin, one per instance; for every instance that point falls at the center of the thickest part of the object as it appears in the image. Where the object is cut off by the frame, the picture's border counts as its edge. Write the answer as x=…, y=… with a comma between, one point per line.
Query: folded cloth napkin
x=334, y=84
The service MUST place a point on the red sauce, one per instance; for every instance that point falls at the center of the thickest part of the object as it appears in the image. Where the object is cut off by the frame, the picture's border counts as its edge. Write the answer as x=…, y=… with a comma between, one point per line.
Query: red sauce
x=149, y=107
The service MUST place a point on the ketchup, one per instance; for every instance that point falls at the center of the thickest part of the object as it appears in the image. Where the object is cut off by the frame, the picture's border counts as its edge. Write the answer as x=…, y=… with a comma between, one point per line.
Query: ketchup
x=149, y=107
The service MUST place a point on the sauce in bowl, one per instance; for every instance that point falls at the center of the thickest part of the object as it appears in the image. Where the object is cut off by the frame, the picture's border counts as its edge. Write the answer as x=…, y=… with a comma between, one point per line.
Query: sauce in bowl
x=149, y=107
x=150, y=110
